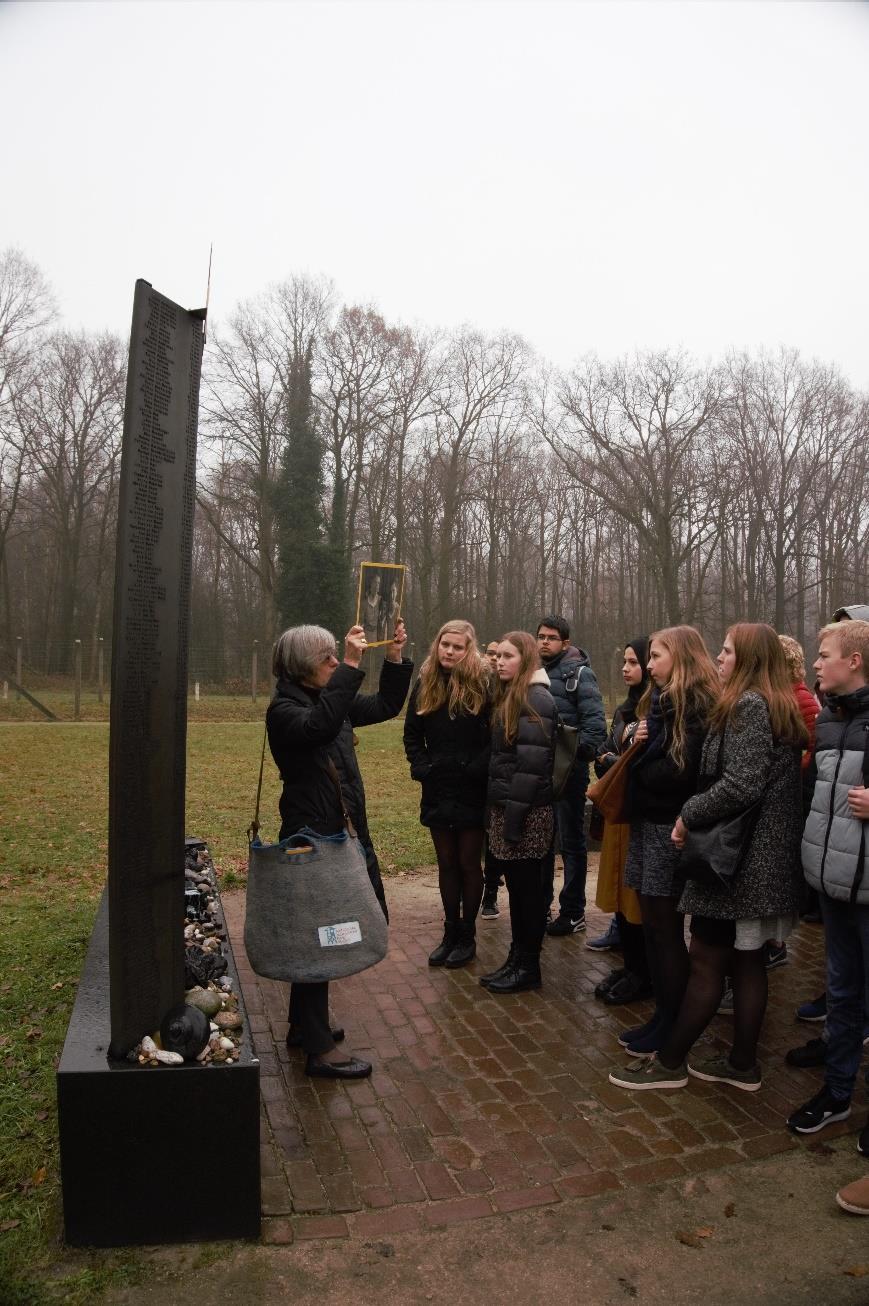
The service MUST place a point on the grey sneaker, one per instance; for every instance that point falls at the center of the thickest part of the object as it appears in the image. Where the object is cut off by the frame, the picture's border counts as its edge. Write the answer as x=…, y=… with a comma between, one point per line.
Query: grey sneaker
x=718, y=1070
x=725, y=1006
x=649, y=1074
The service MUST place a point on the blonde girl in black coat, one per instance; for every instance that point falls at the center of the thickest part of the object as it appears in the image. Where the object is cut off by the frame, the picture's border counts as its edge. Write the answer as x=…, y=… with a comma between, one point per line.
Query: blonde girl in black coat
x=446, y=739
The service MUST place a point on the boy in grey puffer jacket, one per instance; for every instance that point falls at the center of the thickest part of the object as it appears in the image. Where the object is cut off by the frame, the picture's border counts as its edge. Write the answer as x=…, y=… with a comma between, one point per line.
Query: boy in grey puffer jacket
x=836, y=859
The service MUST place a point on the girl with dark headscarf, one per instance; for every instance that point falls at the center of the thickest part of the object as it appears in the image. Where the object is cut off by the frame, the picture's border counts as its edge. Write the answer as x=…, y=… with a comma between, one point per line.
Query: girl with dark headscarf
x=631, y=982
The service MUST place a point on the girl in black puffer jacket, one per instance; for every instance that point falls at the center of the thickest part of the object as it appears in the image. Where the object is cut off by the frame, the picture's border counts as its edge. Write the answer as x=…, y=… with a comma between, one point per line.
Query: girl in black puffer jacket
x=446, y=739
x=521, y=820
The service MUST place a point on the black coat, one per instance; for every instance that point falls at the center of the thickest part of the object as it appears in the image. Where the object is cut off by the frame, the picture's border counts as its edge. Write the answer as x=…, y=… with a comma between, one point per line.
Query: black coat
x=450, y=758
x=520, y=774
x=306, y=727
x=657, y=788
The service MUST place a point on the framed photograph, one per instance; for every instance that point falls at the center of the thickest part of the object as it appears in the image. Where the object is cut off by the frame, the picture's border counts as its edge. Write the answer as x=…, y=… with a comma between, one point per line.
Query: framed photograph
x=378, y=603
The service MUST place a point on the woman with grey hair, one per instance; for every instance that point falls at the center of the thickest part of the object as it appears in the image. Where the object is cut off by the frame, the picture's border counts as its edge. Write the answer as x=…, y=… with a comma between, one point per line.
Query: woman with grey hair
x=310, y=723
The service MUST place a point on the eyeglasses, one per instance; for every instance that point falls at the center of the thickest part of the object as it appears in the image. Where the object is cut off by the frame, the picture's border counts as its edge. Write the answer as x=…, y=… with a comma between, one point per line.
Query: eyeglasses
x=550, y=639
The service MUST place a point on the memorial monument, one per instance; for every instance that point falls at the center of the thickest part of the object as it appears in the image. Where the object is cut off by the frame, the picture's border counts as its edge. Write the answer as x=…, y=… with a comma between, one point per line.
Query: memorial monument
x=127, y=1133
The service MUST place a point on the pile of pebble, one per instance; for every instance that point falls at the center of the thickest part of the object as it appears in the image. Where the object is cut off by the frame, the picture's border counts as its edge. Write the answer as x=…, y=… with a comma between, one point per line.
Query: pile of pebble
x=214, y=1037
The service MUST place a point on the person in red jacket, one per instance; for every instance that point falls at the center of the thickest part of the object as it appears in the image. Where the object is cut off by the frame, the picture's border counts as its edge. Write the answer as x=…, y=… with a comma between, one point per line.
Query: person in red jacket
x=806, y=701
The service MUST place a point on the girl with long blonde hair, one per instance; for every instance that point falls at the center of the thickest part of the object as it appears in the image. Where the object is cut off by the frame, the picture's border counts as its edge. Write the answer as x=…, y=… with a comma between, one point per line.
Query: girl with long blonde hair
x=521, y=819
x=446, y=740
x=750, y=761
x=674, y=714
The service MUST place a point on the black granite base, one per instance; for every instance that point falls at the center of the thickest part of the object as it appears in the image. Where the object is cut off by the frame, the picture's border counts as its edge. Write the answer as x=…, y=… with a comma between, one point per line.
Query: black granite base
x=149, y=1155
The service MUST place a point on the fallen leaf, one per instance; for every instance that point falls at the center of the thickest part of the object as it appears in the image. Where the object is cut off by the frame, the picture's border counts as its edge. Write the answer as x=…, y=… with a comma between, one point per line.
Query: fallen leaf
x=42, y=1115
x=689, y=1239
x=730, y=1209
x=5, y=1225
x=39, y=1176
x=706, y=1231
x=58, y=985
x=857, y=1271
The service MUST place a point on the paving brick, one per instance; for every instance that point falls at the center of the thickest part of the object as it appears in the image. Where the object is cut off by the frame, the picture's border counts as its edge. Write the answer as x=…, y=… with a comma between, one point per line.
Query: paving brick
x=473, y=1181
x=378, y=1197
x=275, y=1196
x=376, y=1224
x=405, y=1183
x=770, y=1144
x=519, y=1199
x=269, y=1165
x=341, y=1192
x=324, y=1226
x=277, y=1232
x=438, y=1182
x=652, y=1172
x=305, y=1187
x=459, y=1211
x=627, y=1144
x=710, y=1158
x=589, y=1185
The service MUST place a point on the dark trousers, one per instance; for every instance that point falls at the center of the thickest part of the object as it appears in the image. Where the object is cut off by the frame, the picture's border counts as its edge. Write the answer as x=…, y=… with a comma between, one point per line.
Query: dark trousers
x=633, y=947
x=491, y=872
x=570, y=840
x=309, y=1011
x=846, y=929
x=527, y=911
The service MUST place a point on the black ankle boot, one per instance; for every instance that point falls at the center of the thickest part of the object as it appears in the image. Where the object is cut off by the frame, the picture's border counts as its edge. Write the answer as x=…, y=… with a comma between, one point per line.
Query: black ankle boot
x=446, y=945
x=465, y=948
x=486, y=980
x=524, y=973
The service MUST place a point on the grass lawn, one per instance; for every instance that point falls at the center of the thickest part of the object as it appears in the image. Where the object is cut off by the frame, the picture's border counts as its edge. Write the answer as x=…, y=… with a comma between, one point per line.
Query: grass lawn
x=53, y=811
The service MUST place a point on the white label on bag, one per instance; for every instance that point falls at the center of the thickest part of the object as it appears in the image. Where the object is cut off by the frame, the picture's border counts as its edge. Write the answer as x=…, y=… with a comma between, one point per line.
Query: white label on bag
x=336, y=936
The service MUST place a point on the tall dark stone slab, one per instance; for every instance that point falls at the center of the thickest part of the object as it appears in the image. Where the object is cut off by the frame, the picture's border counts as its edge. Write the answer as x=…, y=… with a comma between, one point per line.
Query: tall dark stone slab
x=149, y=666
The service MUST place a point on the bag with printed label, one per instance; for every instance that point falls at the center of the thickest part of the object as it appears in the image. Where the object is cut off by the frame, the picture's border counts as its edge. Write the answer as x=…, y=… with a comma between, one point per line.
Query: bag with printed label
x=312, y=913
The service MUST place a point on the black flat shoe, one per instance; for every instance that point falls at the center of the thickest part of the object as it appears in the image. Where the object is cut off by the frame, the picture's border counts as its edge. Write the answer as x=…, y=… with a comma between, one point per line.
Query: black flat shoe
x=294, y=1038
x=627, y=988
x=601, y=989
x=352, y=1068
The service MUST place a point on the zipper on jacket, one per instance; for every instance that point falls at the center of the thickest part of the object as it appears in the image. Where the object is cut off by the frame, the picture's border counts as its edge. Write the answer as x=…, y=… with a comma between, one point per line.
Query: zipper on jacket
x=832, y=802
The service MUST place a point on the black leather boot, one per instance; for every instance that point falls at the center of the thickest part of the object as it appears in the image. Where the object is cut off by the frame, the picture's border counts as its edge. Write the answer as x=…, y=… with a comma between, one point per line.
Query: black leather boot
x=486, y=980
x=446, y=945
x=524, y=973
x=465, y=948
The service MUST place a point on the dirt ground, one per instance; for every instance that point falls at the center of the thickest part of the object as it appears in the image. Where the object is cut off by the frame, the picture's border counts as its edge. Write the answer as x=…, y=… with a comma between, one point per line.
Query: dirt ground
x=769, y=1234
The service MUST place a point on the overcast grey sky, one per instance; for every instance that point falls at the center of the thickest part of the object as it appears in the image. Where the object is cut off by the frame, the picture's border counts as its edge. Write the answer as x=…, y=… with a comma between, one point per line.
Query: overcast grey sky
x=594, y=176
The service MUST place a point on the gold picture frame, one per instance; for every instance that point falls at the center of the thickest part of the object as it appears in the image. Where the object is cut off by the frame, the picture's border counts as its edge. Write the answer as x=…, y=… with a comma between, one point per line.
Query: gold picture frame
x=379, y=598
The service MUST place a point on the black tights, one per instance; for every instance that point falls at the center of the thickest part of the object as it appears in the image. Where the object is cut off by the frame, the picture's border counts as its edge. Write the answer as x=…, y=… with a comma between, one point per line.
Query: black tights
x=710, y=964
x=664, y=931
x=460, y=875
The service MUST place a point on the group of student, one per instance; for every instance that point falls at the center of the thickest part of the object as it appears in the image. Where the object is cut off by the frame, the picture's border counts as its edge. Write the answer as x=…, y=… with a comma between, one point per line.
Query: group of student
x=706, y=741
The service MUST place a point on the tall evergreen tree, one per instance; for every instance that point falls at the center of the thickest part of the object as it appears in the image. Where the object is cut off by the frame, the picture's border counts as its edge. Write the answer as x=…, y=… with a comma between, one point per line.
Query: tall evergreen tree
x=312, y=582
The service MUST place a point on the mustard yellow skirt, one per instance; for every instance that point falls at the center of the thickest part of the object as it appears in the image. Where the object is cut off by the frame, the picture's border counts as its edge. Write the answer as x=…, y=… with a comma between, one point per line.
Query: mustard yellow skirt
x=612, y=893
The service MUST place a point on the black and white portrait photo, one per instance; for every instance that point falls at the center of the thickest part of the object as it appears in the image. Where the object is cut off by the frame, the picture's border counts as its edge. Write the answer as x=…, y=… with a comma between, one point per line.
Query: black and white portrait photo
x=378, y=606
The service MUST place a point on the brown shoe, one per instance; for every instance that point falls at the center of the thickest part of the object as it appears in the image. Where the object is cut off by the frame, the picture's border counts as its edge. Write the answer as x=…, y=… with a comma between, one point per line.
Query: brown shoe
x=855, y=1197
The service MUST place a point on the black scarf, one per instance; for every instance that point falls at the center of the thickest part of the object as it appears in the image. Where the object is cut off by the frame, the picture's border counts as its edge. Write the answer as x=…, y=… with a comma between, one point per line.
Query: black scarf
x=628, y=708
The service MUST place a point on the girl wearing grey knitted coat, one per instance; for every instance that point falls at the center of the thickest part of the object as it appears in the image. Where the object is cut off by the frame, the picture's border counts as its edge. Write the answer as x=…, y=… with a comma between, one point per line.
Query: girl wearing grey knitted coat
x=755, y=766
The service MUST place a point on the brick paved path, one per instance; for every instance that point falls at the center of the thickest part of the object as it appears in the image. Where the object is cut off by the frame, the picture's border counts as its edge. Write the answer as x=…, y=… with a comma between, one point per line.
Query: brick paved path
x=481, y=1104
